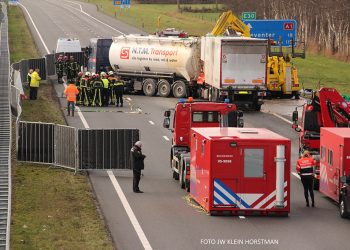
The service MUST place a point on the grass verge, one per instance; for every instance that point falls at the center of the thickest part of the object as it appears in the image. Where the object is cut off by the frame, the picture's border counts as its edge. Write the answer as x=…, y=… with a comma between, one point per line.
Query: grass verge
x=330, y=72
x=51, y=208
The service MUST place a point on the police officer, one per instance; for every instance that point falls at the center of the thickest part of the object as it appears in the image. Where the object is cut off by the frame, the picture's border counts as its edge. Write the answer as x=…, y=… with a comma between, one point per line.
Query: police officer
x=105, y=91
x=59, y=68
x=118, y=91
x=305, y=168
x=97, y=86
x=137, y=164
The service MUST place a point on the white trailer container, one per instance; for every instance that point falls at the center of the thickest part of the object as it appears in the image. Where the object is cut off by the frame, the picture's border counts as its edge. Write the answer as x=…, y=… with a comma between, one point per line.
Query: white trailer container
x=149, y=63
x=235, y=68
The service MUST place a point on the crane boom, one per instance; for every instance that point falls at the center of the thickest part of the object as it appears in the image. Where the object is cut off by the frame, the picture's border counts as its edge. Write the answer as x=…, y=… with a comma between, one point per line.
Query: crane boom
x=229, y=22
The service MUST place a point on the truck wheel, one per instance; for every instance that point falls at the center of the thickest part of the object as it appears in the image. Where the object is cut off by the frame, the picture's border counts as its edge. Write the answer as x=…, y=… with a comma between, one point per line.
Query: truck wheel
x=164, y=88
x=343, y=209
x=179, y=89
x=182, y=176
x=149, y=87
x=257, y=107
x=175, y=175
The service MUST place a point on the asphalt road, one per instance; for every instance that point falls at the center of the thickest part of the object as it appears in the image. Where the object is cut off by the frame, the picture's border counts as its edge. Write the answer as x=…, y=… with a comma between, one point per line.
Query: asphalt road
x=166, y=218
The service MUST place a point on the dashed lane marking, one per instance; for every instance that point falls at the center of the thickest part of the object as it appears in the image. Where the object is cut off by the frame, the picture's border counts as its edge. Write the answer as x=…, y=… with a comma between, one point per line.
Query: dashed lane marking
x=241, y=217
x=151, y=122
x=166, y=138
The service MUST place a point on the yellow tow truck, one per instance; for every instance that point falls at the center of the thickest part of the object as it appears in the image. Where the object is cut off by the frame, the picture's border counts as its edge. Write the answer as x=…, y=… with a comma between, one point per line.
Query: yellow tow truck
x=282, y=76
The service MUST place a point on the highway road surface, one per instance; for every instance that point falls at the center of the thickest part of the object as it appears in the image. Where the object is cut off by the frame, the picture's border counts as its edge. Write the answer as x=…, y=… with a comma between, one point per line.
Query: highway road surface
x=162, y=218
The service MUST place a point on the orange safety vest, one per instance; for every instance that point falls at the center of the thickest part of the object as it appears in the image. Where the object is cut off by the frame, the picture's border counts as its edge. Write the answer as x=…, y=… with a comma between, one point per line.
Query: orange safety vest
x=71, y=93
x=305, y=166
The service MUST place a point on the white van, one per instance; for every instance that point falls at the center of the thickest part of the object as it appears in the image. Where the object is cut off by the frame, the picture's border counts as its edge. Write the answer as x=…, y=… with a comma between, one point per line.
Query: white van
x=68, y=45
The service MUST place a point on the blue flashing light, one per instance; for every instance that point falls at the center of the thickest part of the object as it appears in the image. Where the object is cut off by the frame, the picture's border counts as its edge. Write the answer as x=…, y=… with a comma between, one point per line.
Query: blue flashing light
x=227, y=100
x=182, y=100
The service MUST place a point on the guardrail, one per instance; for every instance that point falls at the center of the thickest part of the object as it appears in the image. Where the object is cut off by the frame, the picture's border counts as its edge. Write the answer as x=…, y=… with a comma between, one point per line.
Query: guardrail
x=5, y=135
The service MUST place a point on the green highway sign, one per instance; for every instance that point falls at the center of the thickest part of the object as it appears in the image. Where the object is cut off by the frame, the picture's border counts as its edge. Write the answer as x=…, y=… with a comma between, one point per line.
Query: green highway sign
x=249, y=15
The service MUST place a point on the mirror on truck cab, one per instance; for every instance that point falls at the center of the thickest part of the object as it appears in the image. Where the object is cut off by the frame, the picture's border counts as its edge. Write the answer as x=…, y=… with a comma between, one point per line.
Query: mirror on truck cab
x=166, y=122
x=295, y=116
x=167, y=113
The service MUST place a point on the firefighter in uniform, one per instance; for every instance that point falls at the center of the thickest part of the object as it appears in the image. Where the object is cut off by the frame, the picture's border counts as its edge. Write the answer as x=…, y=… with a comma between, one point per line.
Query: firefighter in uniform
x=97, y=86
x=85, y=90
x=78, y=85
x=65, y=65
x=305, y=168
x=137, y=164
x=72, y=69
x=111, y=81
x=118, y=91
x=59, y=68
x=105, y=91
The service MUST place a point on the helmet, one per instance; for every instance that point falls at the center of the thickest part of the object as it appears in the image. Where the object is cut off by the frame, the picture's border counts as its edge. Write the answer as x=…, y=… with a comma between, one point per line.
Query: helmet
x=110, y=73
x=93, y=75
x=103, y=74
x=65, y=57
x=60, y=56
x=80, y=73
x=139, y=144
x=87, y=73
x=71, y=57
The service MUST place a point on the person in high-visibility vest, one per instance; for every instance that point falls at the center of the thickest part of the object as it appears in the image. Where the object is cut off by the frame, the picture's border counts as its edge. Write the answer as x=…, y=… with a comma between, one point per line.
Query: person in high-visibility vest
x=105, y=89
x=34, y=84
x=118, y=91
x=305, y=168
x=71, y=93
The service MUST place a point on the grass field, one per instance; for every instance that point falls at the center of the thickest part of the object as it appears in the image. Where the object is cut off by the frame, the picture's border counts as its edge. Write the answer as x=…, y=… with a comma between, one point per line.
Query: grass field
x=51, y=208
x=315, y=68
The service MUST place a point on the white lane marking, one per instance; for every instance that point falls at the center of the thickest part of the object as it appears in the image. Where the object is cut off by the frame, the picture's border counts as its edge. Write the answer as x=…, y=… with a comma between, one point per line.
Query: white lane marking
x=282, y=118
x=129, y=99
x=129, y=211
x=85, y=13
x=80, y=114
x=296, y=175
x=241, y=217
x=151, y=122
x=166, y=138
x=37, y=31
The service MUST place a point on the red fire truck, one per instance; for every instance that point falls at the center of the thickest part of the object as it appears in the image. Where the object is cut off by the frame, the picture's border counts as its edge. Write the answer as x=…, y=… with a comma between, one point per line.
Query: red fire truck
x=335, y=167
x=187, y=115
x=326, y=108
x=240, y=171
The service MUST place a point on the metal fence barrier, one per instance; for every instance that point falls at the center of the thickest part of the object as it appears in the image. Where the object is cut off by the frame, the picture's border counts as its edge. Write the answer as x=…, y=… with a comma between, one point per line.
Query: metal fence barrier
x=35, y=142
x=65, y=146
x=106, y=148
x=77, y=149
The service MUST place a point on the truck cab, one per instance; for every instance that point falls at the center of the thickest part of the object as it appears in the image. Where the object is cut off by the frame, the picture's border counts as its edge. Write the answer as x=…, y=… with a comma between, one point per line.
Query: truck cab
x=187, y=115
x=99, y=55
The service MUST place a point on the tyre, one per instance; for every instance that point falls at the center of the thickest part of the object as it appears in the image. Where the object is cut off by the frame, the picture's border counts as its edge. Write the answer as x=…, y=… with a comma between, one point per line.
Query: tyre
x=343, y=209
x=164, y=88
x=182, y=176
x=179, y=89
x=149, y=87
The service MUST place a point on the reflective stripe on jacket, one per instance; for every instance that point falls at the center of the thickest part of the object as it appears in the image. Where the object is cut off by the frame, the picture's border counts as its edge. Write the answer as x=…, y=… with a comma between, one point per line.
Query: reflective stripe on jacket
x=35, y=79
x=71, y=92
x=305, y=166
x=118, y=83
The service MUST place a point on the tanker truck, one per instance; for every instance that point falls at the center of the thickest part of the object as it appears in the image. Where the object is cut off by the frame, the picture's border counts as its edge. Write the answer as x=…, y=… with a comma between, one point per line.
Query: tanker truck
x=214, y=68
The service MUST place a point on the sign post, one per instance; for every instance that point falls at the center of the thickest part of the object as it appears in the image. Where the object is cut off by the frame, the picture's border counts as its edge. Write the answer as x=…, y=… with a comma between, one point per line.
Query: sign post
x=249, y=15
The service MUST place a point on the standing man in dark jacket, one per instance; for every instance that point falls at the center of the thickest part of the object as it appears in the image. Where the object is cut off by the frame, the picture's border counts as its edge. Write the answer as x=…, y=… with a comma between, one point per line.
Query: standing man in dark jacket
x=137, y=165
